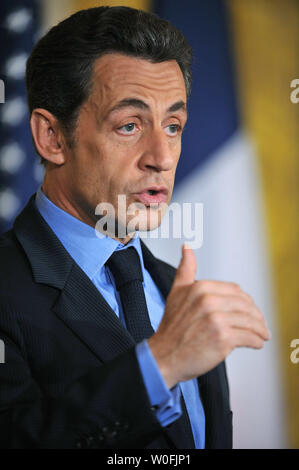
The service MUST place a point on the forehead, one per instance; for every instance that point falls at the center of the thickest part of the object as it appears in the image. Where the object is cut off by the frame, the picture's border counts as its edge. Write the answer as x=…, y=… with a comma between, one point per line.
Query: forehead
x=117, y=74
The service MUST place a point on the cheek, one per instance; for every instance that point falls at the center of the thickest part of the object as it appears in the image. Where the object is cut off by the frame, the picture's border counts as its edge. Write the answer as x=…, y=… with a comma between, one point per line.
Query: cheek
x=95, y=159
x=119, y=162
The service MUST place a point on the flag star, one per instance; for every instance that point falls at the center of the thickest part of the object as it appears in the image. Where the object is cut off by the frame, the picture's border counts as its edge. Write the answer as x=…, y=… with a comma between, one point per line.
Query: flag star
x=15, y=66
x=19, y=20
x=9, y=204
x=11, y=157
x=13, y=111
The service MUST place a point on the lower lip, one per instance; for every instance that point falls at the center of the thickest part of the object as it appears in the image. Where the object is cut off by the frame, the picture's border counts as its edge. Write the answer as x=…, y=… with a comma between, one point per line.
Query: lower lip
x=146, y=198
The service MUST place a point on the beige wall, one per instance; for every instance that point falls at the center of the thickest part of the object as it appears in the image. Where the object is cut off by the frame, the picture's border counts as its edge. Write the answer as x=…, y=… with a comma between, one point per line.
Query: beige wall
x=54, y=11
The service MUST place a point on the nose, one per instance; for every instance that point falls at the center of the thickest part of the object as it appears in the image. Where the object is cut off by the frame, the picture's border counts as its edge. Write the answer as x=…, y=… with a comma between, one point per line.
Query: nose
x=160, y=152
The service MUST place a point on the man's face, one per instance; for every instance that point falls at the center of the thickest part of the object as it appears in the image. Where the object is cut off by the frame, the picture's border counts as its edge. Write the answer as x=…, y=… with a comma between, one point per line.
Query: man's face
x=128, y=139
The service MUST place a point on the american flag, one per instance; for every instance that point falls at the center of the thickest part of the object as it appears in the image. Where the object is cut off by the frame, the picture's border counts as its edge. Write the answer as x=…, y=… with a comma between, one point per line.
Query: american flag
x=20, y=170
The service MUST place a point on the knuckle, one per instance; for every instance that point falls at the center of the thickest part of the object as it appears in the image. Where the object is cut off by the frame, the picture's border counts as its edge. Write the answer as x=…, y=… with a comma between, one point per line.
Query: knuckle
x=236, y=286
x=258, y=313
x=224, y=342
x=199, y=287
x=223, y=337
x=207, y=302
x=247, y=301
x=240, y=292
x=249, y=298
x=214, y=322
x=248, y=307
x=256, y=341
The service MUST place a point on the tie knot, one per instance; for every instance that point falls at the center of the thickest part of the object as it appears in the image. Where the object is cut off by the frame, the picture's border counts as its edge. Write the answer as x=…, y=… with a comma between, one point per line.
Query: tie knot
x=125, y=266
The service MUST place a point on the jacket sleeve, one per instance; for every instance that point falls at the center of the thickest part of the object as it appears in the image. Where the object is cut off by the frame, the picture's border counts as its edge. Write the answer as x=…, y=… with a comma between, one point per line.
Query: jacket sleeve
x=106, y=407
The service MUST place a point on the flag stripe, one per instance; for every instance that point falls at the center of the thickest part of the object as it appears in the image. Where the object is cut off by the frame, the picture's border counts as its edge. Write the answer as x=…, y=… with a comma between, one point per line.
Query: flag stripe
x=213, y=113
x=19, y=167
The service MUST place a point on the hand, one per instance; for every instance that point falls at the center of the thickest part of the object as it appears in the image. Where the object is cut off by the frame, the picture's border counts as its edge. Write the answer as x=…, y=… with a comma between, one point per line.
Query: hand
x=202, y=323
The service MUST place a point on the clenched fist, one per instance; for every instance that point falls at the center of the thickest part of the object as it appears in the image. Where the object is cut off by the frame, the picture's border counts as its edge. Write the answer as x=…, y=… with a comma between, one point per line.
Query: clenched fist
x=202, y=323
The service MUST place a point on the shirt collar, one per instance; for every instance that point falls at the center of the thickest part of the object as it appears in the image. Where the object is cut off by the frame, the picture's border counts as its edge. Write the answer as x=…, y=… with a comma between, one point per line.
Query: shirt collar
x=88, y=247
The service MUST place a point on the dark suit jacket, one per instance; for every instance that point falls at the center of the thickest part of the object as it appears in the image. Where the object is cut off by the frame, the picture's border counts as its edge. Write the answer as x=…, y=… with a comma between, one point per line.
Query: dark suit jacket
x=71, y=377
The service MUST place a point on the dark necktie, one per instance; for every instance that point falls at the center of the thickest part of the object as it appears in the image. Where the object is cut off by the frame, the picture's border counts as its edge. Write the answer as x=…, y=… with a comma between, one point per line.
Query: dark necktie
x=126, y=269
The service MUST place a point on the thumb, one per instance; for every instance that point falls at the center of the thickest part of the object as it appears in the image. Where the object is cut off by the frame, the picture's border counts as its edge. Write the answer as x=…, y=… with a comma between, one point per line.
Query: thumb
x=187, y=268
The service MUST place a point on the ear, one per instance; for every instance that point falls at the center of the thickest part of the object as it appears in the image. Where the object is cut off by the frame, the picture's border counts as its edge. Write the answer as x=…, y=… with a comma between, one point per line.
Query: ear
x=48, y=136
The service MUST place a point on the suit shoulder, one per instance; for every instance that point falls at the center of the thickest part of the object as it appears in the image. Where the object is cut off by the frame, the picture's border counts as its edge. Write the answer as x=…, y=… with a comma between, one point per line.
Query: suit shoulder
x=14, y=264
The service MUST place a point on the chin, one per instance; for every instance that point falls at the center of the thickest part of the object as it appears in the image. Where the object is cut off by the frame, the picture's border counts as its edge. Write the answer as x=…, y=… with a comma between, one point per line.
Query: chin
x=146, y=220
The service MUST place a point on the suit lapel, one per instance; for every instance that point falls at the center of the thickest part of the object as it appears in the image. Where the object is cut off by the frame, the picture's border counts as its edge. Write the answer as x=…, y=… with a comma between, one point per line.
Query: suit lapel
x=159, y=271
x=79, y=304
x=86, y=312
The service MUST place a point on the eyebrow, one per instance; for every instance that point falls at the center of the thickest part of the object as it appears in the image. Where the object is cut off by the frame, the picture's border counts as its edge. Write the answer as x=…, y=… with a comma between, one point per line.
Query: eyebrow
x=139, y=104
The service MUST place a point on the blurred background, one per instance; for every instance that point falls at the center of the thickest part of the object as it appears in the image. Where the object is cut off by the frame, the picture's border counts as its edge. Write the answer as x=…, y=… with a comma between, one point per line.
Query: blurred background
x=240, y=158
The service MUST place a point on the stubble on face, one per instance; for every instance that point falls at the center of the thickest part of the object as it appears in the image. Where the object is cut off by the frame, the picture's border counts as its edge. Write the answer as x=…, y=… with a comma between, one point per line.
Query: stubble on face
x=124, y=150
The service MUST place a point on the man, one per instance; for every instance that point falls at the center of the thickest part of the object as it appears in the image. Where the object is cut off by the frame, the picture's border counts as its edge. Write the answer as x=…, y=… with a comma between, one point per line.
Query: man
x=91, y=361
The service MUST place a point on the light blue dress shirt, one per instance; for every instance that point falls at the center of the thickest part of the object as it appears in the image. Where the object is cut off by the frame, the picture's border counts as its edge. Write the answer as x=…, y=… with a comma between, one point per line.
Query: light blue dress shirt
x=90, y=250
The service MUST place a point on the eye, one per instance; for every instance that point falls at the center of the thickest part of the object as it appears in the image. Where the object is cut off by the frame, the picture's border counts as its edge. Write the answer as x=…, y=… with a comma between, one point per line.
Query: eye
x=127, y=128
x=174, y=129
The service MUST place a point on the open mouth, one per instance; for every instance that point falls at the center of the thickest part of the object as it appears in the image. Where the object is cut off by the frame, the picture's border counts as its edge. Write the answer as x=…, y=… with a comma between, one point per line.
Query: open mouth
x=152, y=195
x=151, y=191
